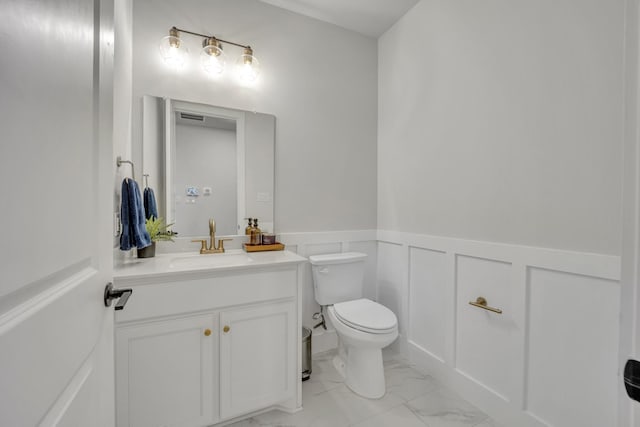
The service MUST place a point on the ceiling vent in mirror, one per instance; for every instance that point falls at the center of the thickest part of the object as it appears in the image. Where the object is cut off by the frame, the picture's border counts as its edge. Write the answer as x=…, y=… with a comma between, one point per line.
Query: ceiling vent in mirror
x=188, y=116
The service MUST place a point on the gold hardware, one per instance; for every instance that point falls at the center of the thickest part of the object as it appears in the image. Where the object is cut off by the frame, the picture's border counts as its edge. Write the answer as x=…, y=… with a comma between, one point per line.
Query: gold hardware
x=216, y=46
x=207, y=332
x=481, y=302
x=175, y=41
x=213, y=248
x=203, y=248
x=221, y=244
x=226, y=329
x=248, y=55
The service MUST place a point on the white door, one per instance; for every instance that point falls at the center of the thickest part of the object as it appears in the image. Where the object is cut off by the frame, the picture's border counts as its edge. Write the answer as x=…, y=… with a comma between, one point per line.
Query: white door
x=56, y=335
x=629, y=410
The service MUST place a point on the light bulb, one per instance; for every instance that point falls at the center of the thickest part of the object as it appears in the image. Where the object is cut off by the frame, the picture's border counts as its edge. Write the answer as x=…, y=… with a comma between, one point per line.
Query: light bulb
x=212, y=56
x=172, y=50
x=248, y=66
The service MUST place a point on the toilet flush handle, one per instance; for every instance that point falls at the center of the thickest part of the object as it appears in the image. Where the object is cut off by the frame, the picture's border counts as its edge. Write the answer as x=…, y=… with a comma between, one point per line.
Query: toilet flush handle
x=323, y=270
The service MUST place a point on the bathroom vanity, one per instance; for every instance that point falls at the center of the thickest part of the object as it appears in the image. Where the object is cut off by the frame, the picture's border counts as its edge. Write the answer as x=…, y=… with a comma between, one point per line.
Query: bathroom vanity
x=205, y=339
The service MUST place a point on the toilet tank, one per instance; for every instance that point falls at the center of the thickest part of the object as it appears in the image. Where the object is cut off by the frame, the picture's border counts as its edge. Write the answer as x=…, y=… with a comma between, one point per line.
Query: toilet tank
x=337, y=277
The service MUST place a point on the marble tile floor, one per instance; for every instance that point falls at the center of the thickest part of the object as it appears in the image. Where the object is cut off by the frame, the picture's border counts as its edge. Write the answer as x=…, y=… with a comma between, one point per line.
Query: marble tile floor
x=413, y=399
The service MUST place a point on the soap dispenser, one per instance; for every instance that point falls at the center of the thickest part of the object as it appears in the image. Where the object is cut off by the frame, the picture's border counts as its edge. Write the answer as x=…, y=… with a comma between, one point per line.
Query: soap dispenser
x=255, y=233
x=249, y=227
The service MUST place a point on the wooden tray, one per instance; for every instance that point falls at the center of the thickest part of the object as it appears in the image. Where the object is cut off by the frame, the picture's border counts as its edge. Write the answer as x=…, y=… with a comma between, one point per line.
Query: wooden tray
x=260, y=248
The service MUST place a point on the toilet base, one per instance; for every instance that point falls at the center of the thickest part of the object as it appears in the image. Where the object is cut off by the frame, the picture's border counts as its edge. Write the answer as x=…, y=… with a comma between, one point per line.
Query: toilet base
x=363, y=371
x=338, y=363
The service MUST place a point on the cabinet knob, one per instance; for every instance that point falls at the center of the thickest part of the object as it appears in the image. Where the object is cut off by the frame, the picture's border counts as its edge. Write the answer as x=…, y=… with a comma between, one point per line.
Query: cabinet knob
x=207, y=332
x=226, y=329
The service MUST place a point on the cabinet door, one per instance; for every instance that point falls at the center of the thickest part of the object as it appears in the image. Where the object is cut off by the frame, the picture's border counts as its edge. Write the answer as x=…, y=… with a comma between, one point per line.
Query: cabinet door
x=165, y=372
x=257, y=358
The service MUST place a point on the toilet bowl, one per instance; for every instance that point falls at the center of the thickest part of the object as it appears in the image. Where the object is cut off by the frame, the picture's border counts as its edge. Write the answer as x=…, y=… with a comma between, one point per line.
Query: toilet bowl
x=364, y=328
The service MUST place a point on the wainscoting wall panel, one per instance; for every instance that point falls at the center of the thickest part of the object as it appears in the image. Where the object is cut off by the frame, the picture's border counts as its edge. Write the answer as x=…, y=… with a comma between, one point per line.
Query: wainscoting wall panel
x=573, y=334
x=486, y=342
x=392, y=285
x=550, y=358
x=428, y=301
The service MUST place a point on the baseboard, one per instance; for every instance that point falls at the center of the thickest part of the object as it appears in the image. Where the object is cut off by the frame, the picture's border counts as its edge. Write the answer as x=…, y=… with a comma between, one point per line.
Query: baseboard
x=502, y=411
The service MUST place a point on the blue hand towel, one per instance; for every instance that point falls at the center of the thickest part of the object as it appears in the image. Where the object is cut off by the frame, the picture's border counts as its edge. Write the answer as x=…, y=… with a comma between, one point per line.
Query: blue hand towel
x=150, y=206
x=134, y=233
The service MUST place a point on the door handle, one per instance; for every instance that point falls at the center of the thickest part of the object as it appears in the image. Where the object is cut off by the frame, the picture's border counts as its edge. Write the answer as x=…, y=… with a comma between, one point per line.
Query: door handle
x=110, y=294
x=632, y=379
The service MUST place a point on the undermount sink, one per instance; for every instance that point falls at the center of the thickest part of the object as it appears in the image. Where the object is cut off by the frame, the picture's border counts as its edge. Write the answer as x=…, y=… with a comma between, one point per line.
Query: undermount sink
x=211, y=260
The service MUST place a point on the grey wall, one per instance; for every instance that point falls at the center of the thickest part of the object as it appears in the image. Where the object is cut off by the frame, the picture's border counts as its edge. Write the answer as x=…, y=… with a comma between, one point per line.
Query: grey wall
x=502, y=121
x=317, y=79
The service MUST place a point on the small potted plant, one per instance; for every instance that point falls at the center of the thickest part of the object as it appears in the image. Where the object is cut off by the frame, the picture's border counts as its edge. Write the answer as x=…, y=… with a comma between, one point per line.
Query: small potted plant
x=157, y=230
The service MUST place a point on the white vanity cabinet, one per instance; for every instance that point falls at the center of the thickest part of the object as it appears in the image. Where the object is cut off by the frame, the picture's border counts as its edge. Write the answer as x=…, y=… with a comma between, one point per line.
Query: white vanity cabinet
x=165, y=372
x=257, y=345
x=195, y=348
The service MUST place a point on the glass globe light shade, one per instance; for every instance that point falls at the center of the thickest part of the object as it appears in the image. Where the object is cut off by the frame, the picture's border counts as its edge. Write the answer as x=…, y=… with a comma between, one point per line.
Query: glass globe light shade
x=172, y=51
x=248, y=66
x=212, y=57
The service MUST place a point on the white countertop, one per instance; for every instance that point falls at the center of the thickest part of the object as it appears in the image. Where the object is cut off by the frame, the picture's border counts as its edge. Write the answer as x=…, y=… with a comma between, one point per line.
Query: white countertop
x=184, y=262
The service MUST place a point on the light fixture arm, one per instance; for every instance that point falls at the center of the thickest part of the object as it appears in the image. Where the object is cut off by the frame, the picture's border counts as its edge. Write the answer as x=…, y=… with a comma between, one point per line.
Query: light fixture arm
x=209, y=37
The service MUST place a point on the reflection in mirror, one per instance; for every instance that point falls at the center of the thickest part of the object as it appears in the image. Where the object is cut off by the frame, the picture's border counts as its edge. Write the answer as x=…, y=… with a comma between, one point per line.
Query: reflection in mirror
x=205, y=173
x=209, y=162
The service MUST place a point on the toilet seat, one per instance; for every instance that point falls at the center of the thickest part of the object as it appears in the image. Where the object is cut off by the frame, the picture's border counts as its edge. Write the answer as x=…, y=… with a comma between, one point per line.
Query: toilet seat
x=366, y=316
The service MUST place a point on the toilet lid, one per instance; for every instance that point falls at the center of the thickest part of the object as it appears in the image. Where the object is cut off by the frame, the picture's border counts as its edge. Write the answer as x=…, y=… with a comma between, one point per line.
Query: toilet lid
x=366, y=315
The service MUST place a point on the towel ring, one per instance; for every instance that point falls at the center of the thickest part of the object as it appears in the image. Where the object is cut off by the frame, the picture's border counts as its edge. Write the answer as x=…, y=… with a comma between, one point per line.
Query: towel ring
x=119, y=162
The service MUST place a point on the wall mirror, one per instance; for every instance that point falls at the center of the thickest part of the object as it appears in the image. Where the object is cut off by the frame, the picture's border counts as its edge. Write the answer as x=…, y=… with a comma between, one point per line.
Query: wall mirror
x=204, y=161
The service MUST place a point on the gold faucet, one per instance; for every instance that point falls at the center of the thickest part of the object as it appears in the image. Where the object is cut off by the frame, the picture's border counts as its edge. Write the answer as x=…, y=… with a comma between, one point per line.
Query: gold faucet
x=213, y=248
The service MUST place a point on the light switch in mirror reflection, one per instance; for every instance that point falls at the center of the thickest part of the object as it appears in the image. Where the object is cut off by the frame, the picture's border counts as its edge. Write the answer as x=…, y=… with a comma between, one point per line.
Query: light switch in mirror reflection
x=189, y=147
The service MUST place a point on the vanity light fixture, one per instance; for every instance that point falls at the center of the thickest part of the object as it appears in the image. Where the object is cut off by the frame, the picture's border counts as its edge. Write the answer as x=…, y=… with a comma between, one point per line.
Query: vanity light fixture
x=248, y=65
x=212, y=57
x=173, y=50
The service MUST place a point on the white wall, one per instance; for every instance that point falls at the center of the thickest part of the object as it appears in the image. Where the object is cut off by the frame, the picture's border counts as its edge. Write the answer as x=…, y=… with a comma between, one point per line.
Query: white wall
x=500, y=136
x=198, y=149
x=502, y=121
x=317, y=79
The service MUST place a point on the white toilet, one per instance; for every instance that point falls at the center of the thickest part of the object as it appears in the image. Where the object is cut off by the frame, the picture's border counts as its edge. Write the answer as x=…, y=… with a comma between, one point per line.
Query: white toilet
x=364, y=327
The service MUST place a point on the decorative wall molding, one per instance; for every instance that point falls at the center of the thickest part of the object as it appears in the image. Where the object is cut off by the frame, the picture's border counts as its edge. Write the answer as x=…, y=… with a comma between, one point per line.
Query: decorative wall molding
x=557, y=335
x=587, y=264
